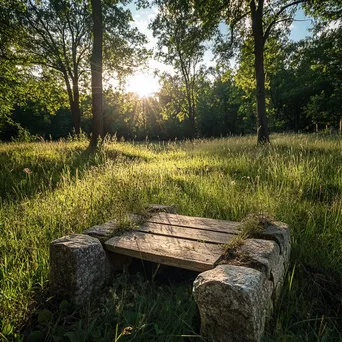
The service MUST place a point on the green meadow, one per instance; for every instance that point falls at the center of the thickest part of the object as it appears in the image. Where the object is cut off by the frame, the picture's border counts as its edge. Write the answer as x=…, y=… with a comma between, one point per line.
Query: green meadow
x=51, y=189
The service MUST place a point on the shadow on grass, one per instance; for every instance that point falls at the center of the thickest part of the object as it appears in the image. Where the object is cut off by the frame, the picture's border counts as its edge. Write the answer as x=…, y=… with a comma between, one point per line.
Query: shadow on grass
x=24, y=176
x=307, y=150
x=309, y=307
x=155, y=309
x=116, y=154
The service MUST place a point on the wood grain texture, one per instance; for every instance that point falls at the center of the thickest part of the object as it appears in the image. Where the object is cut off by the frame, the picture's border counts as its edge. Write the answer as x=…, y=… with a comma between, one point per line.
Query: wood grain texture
x=187, y=233
x=191, y=255
x=196, y=222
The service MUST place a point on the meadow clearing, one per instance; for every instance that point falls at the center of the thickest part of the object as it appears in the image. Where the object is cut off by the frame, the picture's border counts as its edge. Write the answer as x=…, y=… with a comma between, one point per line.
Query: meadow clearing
x=51, y=189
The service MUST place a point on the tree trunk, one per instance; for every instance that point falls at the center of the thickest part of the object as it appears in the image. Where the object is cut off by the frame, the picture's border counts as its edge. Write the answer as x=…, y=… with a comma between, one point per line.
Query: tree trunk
x=193, y=110
x=96, y=73
x=296, y=117
x=76, y=110
x=192, y=128
x=76, y=116
x=262, y=124
x=74, y=102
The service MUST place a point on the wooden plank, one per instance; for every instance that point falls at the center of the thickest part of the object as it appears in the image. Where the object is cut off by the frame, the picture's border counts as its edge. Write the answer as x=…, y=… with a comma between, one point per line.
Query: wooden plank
x=196, y=222
x=187, y=233
x=191, y=255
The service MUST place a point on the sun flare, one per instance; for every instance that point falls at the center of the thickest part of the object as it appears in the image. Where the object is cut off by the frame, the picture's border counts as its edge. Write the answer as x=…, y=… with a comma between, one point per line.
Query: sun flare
x=143, y=84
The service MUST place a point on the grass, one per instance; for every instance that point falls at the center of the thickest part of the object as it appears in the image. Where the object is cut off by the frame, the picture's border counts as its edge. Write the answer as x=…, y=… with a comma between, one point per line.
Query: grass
x=252, y=225
x=296, y=180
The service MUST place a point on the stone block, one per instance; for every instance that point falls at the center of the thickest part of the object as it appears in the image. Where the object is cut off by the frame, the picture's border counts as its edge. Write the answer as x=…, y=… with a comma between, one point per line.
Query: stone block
x=79, y=267
x=278, y=232
x=260, y=254
x=109, y=229
x=233, y=302
x=103, y=232
x=235, y=298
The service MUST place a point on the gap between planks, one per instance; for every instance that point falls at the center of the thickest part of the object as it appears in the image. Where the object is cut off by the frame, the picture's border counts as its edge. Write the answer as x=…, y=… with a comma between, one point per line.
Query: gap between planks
x=187, y=233
x=196, y=223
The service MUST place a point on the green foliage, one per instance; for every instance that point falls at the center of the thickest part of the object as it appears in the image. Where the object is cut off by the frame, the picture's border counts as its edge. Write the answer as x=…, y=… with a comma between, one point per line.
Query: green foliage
x=219, y=106
x=8, y=88
x=181, y=44
x=306, y=87
x=325, y=9
x=174, y=106
x=178, y=32
x=56, y=37
x=123, y=50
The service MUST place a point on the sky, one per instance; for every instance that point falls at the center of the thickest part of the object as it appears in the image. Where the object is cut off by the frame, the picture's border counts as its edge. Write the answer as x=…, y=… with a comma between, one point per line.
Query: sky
x=300, y=27
x=145, y=83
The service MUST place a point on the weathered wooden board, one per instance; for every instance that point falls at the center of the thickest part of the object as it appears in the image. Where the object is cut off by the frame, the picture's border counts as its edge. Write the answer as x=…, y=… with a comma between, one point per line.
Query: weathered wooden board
x=196, y=222
x=191, y=255
x=187, y=233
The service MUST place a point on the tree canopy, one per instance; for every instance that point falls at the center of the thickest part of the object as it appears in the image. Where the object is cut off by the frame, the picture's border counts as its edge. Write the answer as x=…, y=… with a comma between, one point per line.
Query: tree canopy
x=58, y=34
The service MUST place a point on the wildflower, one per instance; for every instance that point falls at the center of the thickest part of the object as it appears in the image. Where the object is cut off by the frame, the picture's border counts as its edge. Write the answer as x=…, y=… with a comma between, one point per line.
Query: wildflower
x=127, y=331
x=27, y=171
x=233, y=182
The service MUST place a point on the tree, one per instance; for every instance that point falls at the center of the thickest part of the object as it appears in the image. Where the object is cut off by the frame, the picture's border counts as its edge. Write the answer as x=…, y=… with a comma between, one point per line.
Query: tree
x=10, y=76
x=96, y=73
x=24, y=89
x=250, y=18
x=219, y=100
x=180, y=34
x=325, y=9
x=57, y=34
x=273, y=58
x=174, y=106
x=306, y=88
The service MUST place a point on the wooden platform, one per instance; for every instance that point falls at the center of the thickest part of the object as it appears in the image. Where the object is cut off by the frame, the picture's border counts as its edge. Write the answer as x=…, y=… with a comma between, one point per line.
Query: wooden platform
x=192, y=243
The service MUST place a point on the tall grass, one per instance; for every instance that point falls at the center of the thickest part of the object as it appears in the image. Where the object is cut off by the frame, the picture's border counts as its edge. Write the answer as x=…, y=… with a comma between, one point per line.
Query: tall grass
x=297, y=180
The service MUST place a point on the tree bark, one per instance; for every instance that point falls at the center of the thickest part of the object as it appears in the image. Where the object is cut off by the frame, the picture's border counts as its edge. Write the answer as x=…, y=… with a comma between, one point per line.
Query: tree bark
x=96, y=73
x=74, y=102
x=75, y=108
x=76, y=117
x=189, y=96
x=262, y=129
x=257, y=26
x=297, y=119
x=191, y=110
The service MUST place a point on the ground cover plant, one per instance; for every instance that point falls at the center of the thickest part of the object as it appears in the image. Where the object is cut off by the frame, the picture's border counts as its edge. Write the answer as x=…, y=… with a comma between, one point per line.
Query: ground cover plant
x=50, y=189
